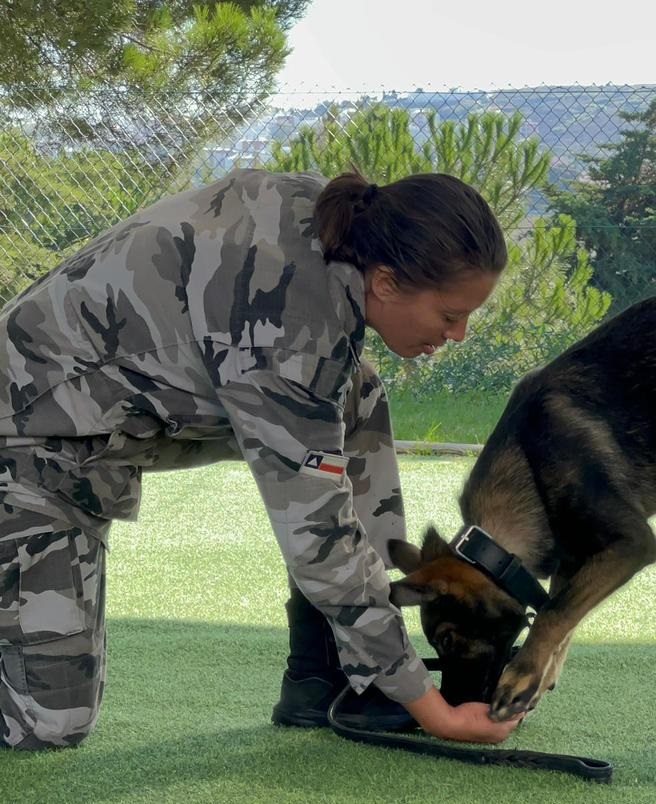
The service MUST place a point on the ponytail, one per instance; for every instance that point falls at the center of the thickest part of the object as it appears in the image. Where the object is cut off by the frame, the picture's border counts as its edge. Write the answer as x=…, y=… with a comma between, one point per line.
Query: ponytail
x=341, y=202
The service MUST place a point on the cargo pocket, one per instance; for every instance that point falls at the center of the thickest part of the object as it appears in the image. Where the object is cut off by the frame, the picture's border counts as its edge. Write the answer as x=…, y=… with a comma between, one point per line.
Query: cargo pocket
x=41, y=592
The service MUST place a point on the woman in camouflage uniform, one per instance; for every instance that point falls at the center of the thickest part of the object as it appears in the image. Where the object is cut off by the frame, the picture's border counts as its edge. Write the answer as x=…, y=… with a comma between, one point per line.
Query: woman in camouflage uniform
x=225, y=322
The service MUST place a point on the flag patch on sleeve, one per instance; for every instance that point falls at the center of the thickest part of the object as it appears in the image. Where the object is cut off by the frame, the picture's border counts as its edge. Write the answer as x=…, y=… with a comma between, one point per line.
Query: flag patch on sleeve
x=324, y=464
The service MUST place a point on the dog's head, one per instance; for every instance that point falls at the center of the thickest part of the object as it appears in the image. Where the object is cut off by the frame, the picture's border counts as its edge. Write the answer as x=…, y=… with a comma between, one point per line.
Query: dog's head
x=471, y=623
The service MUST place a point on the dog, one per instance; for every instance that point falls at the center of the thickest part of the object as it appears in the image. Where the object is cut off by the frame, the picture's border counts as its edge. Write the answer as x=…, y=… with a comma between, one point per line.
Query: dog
x=562, y=490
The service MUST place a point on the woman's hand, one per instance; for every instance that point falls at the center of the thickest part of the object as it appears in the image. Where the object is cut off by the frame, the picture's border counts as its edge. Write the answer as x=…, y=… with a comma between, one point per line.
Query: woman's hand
x=468, y=722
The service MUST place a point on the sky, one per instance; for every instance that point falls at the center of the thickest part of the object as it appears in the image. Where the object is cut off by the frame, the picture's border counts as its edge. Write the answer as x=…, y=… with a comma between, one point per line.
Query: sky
x=470, y=44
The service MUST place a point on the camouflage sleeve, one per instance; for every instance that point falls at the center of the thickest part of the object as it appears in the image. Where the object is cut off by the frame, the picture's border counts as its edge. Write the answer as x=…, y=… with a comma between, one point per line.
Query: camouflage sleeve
x=287, y=416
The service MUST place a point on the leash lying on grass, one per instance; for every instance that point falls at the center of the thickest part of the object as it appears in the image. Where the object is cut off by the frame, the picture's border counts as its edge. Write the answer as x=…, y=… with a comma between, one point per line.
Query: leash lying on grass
x=596, y=770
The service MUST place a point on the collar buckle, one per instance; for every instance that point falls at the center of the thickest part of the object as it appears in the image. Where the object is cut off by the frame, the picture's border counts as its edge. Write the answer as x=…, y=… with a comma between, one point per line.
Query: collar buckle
x=462, y=540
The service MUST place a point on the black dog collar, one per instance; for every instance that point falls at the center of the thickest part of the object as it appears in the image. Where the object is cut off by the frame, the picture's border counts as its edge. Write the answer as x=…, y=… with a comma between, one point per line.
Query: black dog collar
x=504, y=568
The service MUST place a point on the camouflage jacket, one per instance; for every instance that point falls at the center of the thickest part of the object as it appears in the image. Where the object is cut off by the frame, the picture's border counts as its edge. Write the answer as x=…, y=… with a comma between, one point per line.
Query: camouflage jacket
x=208, y=317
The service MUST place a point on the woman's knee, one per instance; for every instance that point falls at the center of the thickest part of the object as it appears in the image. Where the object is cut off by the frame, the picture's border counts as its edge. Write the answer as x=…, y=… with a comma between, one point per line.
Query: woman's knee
x=52, y=626
x=50, y=694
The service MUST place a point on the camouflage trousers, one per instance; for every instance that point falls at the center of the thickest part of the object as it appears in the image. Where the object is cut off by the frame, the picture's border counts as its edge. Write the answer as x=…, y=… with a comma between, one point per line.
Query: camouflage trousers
x=52, y=636
x=52, y=585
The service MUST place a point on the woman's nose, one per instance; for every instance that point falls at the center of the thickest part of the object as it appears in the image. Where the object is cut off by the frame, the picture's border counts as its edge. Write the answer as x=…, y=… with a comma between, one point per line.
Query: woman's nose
x=457, y=331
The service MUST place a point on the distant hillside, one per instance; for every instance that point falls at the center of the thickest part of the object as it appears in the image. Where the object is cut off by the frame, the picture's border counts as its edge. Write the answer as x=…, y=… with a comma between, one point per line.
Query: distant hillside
x=569, y=120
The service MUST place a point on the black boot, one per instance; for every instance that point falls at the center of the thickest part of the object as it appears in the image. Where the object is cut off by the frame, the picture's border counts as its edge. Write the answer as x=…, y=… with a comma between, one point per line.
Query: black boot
x=314, y=678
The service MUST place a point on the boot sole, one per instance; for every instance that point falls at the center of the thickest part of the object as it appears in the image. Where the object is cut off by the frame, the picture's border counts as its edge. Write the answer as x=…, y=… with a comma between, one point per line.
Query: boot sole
x=308, y=720
x=320, y=720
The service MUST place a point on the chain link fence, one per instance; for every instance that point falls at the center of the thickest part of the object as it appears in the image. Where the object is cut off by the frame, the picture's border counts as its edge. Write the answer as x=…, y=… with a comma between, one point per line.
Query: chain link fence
x=71, y=168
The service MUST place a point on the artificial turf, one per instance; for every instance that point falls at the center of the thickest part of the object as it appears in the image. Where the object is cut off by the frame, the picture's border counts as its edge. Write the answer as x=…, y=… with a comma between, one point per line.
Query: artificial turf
x=197, y=643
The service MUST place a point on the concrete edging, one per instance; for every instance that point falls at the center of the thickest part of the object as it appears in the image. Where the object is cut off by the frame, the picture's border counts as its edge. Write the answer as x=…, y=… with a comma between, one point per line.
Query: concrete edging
x=423, y=447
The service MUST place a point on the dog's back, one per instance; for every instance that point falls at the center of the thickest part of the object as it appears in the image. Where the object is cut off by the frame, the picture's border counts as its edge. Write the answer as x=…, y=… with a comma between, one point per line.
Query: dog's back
x=575, y=435
x=612, y=374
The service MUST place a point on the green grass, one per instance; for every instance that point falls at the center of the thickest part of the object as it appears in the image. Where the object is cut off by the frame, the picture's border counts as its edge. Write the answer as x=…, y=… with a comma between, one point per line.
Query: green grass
x=467, y=418
x=197, y=643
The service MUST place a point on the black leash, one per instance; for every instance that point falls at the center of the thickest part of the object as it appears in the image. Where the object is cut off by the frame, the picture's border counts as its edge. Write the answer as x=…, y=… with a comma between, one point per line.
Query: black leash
x=595, y=770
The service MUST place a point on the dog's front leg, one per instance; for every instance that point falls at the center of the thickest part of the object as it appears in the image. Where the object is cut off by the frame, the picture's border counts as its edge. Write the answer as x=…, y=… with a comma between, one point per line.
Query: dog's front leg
x=526, y=677
x=550, y=678
x=554, y=669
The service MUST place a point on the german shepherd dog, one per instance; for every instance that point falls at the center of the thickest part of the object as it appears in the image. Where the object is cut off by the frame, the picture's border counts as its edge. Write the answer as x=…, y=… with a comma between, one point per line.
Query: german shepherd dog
x=564, y=487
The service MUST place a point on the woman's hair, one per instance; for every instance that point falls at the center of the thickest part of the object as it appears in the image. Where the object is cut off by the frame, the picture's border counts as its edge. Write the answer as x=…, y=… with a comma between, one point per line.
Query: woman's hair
x=430, y=229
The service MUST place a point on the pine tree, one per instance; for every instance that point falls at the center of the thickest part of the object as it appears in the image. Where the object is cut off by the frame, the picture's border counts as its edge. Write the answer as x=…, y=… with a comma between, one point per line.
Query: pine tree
x=615, y=209
x=166, y=50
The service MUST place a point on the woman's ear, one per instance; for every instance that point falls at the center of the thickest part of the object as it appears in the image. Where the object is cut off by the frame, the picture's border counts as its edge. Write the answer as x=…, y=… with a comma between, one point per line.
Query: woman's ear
x=382, y=284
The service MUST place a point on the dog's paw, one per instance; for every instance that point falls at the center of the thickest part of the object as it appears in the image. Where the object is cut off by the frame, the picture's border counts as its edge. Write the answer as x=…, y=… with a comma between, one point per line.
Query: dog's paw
x=516, y=692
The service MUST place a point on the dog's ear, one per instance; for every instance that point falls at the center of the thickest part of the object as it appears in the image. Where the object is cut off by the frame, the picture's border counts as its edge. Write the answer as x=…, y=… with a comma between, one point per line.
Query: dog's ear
x=434, y=546
x=405, y=556
x=411, y=592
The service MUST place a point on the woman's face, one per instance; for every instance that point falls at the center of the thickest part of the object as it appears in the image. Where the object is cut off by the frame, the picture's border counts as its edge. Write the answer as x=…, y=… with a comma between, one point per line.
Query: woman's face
x=418, y=322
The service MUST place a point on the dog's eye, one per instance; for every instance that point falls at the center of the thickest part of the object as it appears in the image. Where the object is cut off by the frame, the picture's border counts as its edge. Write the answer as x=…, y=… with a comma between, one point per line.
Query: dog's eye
x=445, y=642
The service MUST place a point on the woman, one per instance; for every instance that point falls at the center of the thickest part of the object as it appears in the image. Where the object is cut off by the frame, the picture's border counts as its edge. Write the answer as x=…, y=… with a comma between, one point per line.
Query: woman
x=224, y=322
